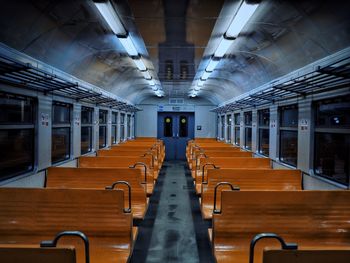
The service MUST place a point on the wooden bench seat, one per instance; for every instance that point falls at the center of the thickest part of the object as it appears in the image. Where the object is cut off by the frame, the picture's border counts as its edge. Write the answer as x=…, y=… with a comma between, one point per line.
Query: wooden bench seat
x=35, y=254
x=160, y=153
x=211, y=154
x=121, y=162
x=100, y=178
x=315, y=255
x=196, y=145
x=228, y=162
x=205, y=149
x=155, y=165
x=312, y=219
x=245, y=179
x=29, y=216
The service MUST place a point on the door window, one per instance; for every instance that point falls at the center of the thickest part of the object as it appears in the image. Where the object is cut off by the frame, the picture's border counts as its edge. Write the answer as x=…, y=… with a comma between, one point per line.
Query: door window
x=168, y=126
x=183, y=126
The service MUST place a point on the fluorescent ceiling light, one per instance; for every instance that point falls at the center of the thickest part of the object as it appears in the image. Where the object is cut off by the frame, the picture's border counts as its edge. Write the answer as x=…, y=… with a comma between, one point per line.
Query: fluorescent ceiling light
x=205, y=75
x=110, y=16
x=243, y=15
x=200, y=83
x=139, y=64
x=146, y=74
x=128, y=45
x=212, y=64
x=224, y=45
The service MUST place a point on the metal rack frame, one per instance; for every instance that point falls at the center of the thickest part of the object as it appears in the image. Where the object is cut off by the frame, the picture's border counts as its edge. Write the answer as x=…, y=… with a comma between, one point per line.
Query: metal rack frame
x=25, y=75
x=333, y=76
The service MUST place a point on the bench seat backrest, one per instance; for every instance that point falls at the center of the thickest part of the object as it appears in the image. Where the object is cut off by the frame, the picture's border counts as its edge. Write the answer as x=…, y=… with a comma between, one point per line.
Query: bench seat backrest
x=28, y=254
x=99, y=178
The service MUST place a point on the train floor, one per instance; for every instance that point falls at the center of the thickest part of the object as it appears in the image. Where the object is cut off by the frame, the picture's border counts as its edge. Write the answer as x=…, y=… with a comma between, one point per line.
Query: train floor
x=173, y=229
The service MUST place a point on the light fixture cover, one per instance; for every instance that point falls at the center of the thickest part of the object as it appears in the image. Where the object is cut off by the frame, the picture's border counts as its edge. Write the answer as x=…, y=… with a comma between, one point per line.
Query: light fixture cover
x=244, y=13
x=110, y=16
x=146, y=74
x=223, y=46
x=212, y=64
x=128, y=45
x=205, y=75
x=139, y=64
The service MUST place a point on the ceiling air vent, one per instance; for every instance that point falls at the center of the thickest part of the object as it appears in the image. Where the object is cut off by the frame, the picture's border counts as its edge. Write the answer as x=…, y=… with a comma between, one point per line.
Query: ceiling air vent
x=176, y=101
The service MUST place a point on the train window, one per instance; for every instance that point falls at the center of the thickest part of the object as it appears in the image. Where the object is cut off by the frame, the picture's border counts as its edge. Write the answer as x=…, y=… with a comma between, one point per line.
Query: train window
x=248, y=130
x=237, y=128
x=128, y=123
x=61, y=113
x=114, y=127
x=332, y=139
x=183, y=69
x=289, y=116
x=61, y=131
x=86, y=129
x=102, y=129
x=133, y=126
x=217, y=127
x=169, y=69
x=122, y=127
x=168, y=126
x=228, y=128
x=17, y=118
x=222, y=127
x=264, y=135
x=288, y=150
x=183, y=126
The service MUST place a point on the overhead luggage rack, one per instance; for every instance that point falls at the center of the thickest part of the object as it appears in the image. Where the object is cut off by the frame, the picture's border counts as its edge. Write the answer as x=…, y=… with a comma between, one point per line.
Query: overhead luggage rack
x=27, y=76
x=330, y=77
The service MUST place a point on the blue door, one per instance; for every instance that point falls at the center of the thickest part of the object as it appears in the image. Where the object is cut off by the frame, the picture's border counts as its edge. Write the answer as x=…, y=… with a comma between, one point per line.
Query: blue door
x=175, y=129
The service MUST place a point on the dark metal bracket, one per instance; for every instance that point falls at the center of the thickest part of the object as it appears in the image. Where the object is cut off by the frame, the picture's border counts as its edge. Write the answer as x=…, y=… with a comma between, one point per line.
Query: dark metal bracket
x=203, y=168
x=288, y=246
x=199, y=155
x=53, y=243
x=150, y=153
x=142, y=164
x=126, y=210
x=233, y=188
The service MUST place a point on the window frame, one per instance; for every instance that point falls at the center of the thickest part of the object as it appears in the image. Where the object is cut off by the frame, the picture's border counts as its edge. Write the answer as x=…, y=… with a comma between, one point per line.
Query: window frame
x=102, y=125
x=332, y=130
x=128, y=126
x=228, y=127
x=33, y=126
x=114, y=125
x=261, y=128
x=87, y=125
x=237, y=127
x=248, y=127
x=122, y=127
x=290, y=128
x=62, y=126
x=222, y=128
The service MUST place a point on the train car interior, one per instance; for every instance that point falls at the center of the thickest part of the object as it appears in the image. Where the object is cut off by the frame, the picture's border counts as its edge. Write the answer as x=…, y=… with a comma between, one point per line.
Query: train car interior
x=175, y=131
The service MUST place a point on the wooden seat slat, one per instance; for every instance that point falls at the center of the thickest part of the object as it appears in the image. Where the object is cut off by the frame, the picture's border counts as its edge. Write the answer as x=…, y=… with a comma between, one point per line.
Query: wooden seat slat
x=99, y=178
x=307, y=256
x=309, y=218
x=246, y=179
x=120, y=162
x=229, y=162
x=35, y=254
x=28, y=216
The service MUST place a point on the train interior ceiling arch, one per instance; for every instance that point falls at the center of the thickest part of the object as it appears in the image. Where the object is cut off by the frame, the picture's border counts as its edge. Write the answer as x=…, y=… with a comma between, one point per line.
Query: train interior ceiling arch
x=169, y=102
